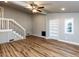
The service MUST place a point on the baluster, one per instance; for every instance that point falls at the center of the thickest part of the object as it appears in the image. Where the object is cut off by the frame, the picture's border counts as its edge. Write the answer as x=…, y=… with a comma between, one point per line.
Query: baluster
x=2, y=24
x=8, y=24
x=24, y=33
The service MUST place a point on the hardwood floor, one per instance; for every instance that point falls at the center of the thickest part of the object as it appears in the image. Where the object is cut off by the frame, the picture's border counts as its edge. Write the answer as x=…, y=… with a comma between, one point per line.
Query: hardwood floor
x=38, y=47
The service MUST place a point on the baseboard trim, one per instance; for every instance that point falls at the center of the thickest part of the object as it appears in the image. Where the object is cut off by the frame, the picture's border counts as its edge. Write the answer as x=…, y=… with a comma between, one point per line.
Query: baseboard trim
x=39, y=36
x=69, y=42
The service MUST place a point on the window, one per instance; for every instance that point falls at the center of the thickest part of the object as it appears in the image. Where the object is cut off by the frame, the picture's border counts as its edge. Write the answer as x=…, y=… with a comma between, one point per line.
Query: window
x=69, y=26
x=54, y=28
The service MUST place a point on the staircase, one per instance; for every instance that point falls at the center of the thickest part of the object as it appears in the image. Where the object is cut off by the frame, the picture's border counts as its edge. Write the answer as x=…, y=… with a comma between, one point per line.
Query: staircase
x=10, y=29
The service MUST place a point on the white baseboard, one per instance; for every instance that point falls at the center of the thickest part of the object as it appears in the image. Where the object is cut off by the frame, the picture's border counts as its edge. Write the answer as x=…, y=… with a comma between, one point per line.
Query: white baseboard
x=49, y=38
x=69, y=42
x=74, y=43
x=39, y=36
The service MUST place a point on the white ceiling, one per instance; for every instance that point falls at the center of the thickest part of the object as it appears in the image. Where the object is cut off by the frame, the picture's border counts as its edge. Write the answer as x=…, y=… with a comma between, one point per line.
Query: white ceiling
x=53, y=6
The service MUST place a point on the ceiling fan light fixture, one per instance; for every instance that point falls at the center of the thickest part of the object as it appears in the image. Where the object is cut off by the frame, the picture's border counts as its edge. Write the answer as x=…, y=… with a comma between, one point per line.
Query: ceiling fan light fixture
x=34, y=11
x=33, y=7
x=63, y=9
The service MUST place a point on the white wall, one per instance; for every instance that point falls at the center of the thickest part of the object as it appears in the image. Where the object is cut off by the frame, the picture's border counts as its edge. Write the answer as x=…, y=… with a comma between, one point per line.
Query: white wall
x=39, y=24
x=22, y=18
x=61, y=17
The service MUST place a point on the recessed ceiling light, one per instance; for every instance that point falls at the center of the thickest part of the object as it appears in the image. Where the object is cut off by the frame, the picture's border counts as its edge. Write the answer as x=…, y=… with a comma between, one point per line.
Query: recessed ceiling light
x=63, y=9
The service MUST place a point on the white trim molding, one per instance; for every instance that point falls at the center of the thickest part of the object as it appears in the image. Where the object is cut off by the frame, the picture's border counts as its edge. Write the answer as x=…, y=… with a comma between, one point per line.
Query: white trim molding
x=69, y=42
x=5, y=30
x=39, y=36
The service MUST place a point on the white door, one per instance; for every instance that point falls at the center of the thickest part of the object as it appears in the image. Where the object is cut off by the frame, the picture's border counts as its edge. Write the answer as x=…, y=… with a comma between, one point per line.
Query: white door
x=54, y=28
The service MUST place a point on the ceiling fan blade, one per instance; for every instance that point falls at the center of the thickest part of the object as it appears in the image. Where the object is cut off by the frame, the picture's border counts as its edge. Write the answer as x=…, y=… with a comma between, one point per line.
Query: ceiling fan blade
x=39, y=10
x=43, y=12
x=41, y=7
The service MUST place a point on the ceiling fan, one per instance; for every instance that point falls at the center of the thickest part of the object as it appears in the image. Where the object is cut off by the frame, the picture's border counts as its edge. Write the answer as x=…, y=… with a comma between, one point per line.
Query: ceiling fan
x=35, y=8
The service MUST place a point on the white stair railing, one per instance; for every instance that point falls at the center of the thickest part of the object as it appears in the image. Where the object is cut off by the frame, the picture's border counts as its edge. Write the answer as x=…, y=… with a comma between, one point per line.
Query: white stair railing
x=7, y=24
